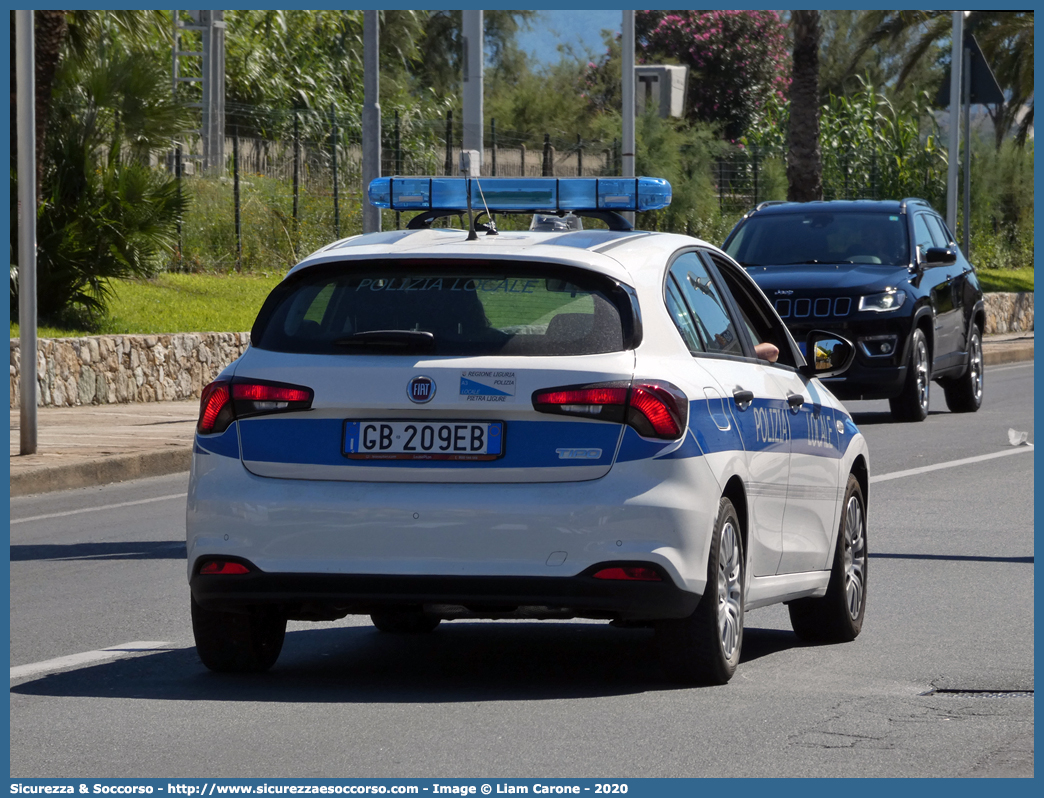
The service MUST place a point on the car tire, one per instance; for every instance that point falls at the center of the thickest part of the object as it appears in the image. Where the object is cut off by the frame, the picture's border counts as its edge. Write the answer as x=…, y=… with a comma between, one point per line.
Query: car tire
x=238, y=642
x=404, y=621
x=964, y=394
x=705, y=647
x=837, y=617
x=912, y=403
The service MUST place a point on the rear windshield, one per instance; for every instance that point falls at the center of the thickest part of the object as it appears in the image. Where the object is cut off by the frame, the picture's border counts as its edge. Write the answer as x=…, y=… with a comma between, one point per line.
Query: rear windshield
x=443, y=308
x=821, y=237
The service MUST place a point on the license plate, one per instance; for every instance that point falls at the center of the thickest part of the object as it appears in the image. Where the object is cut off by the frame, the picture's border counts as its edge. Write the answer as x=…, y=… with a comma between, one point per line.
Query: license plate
x=398, y=439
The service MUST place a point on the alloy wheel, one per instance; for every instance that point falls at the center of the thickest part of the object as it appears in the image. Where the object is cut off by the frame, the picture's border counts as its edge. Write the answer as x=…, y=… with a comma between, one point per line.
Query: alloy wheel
x=855, y=556
x=975, y=367
x=921, y=367
x=730, y=592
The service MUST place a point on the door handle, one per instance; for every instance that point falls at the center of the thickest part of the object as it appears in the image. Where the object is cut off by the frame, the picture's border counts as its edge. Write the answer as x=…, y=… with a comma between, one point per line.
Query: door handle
x=795, y=400
x=743, y=398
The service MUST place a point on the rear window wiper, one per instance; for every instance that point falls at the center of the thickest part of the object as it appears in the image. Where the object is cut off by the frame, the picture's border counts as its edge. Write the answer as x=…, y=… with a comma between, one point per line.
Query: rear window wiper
x=389, y=340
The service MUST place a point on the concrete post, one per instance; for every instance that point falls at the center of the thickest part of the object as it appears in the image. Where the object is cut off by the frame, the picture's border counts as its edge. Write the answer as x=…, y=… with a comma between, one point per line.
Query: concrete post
x=371, y=118
x=627, y=111
x=26, y=119
x=952, y=153
x=473, y=82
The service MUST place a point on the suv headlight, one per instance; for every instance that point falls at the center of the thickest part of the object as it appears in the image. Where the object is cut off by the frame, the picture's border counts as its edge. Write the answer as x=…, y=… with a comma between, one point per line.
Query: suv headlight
x=892, y=299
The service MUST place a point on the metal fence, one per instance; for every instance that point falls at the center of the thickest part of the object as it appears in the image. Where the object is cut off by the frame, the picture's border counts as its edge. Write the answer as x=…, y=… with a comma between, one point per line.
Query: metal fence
x=746, y=176
x=282, y=195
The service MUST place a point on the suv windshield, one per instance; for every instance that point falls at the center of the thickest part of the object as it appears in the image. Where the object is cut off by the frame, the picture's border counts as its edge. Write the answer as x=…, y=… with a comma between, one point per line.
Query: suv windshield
x=821, y=237
x=444, y=308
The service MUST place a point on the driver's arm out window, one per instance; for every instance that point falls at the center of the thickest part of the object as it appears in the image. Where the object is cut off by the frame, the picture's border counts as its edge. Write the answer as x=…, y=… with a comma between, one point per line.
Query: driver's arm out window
x=759, y=318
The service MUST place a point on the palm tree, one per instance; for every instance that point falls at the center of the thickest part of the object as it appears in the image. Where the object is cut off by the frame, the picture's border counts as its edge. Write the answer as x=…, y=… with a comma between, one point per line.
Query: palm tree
x=49, y=29
x=1006, y=38
x=804, y=168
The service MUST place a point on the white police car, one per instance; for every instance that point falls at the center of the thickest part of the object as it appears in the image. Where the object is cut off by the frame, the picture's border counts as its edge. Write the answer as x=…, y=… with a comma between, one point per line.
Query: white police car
x=435, y=424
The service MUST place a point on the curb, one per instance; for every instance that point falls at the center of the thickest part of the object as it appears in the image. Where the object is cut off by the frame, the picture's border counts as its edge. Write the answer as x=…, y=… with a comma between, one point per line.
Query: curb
x=102, y=471
x=1011, y=353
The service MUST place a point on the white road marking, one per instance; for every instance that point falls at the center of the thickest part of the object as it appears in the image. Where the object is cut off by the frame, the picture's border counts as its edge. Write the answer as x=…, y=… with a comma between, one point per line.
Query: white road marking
x=86, y=658
x=96, y=509
x=950, y=464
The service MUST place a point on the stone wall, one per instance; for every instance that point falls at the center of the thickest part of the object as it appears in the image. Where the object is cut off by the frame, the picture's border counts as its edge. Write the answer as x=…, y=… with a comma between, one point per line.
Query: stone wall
x=107, y=369
x=152, y=368
x=1007, y=313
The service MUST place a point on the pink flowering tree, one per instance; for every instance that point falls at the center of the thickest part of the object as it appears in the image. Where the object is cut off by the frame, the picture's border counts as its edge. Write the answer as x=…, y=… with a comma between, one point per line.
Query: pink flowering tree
x=737, y=60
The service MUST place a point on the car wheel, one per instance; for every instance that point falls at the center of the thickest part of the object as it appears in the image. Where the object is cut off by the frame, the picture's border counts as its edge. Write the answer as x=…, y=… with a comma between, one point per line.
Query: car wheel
x=238, y=642
x=404, y=621
x=912, y=403
x=705, y=647
x=964, y=394
x=837, y=617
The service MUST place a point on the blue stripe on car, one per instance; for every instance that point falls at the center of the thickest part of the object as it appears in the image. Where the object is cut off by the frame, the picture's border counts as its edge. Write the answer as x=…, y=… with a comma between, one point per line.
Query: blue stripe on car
x=225, y=443
x=766, y=425
x=527, y=444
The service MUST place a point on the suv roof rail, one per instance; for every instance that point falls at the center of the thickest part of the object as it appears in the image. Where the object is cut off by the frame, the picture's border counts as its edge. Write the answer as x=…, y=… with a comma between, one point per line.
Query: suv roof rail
x=766, y=203
x=918, y=200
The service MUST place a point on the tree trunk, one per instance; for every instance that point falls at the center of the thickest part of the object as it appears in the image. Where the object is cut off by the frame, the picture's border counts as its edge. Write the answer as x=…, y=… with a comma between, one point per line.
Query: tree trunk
x=49, y=29
x=804, y=167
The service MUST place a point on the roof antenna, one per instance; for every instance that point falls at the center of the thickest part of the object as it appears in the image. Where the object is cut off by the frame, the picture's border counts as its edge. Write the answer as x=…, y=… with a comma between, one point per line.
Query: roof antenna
x=468, y=165
x=472, y=235
x=491, y=226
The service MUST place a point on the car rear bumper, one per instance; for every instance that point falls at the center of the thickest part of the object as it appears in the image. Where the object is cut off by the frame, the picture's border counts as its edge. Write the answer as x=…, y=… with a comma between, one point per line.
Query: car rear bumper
x=513, y=543
x=310, y=596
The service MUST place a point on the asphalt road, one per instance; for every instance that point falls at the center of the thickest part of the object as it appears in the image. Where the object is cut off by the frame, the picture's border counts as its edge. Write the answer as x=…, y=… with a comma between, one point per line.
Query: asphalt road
x=950, y=608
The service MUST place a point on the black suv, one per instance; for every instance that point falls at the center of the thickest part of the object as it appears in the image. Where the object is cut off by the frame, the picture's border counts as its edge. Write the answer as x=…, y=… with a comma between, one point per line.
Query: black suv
x=886, y=275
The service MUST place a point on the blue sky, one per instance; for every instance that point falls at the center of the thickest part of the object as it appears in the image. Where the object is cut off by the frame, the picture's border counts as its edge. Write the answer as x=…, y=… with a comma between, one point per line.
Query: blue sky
x=581, y=29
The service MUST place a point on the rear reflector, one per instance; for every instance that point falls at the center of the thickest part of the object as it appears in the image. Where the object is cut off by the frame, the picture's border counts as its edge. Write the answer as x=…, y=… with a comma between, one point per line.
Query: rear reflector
x=656, y=409
x=630, y=574
x=223, y=567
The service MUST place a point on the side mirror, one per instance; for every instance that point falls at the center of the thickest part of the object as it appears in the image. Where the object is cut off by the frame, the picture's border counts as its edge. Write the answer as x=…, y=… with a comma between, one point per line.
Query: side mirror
x=828, y=354
x=940, y=256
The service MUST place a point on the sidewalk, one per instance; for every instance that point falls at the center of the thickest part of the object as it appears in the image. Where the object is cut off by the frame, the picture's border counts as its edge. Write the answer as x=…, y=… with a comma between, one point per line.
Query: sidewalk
x=97, y=444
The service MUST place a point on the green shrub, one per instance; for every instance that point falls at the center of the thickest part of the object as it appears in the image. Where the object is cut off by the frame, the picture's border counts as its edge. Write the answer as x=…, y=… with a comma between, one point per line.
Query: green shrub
x=105, y=213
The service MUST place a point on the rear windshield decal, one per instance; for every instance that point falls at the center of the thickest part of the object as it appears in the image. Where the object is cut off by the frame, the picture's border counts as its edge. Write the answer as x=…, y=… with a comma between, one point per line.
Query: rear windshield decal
x=487, y=386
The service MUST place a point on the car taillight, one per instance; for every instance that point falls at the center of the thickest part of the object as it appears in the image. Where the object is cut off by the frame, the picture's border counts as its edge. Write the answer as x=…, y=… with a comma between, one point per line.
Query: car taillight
x=658, y=410
x=215, y=408
x=251, y=398
x=629, y=574
x=655, y=409
x=604, y=401
x=222, y=402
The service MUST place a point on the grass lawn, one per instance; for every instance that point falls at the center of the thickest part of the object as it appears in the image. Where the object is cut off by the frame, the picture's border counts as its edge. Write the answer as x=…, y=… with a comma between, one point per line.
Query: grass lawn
x=996, y=280
x=228, y=303
x=179, y=303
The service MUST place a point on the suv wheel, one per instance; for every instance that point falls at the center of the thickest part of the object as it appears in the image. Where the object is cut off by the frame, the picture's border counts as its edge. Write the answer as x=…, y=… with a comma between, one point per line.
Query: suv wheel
x=238, y=642
x=705, y=647
x=964, y=394
x=912, y=403
x=837, y=617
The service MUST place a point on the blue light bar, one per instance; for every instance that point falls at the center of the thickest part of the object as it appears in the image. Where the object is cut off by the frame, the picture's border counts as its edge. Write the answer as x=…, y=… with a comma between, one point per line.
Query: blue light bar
x=521, y=194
